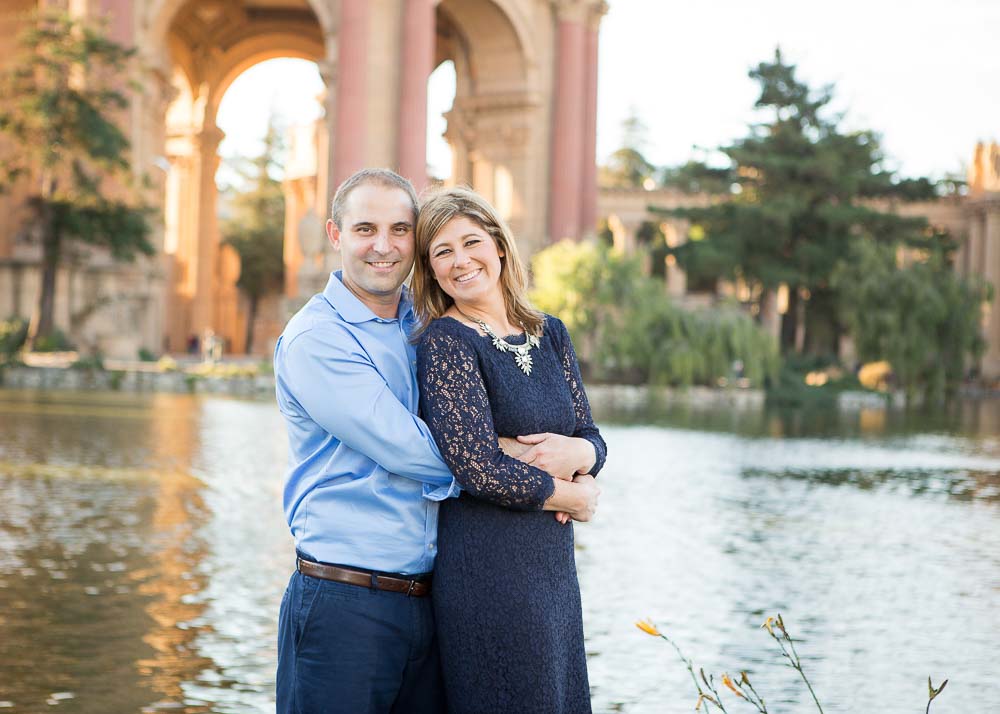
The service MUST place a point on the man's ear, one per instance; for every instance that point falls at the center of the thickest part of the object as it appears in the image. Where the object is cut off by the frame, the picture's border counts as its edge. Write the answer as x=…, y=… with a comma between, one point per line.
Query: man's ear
x=333, y=234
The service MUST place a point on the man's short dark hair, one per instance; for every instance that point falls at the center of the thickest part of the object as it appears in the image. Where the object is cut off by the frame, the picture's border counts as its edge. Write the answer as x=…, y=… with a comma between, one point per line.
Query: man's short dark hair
x=379, y=177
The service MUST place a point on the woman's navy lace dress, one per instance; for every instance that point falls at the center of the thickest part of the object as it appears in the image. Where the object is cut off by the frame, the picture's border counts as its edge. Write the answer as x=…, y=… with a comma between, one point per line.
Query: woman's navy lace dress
x=506, y=596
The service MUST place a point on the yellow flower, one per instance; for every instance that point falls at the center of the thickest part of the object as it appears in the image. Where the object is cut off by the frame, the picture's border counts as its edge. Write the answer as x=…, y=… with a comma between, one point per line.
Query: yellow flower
x=768, y=624
x=702, y=697
x=732, y=687
x=648, y=627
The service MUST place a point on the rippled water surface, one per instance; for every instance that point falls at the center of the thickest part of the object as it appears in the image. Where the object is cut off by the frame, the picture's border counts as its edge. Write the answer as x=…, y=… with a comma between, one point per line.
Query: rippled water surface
x=143, y=553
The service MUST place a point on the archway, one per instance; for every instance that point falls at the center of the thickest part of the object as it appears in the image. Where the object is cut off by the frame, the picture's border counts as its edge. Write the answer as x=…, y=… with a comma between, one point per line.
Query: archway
x=493, y=127
x=207, y=45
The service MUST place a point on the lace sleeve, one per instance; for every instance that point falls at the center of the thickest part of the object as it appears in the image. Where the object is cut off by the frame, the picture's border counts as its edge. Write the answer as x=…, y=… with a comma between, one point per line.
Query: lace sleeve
x=585, y=427
x=455, y=405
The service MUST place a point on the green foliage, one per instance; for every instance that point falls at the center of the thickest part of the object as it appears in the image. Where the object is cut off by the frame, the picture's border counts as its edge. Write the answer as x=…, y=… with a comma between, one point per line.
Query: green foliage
x=59, y=102
x=91, y=363
x=145, y=355
x=55, y=341
x=13, y=333
x=627, y=330
x=256, y=227
x=791, y=389
x=628, y=167
x=803, y=189
x=696, y=177
x=922, y=317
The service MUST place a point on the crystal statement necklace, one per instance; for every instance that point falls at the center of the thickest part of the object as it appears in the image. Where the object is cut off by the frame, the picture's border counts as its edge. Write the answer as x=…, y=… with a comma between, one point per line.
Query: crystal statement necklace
x=522, y=353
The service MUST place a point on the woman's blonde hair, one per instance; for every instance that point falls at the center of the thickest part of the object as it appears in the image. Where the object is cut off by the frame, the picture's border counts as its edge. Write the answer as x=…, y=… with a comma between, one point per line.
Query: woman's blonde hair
x=429, y=300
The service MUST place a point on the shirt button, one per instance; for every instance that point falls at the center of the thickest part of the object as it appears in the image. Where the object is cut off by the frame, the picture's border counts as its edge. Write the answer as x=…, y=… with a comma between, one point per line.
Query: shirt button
x=430, y=546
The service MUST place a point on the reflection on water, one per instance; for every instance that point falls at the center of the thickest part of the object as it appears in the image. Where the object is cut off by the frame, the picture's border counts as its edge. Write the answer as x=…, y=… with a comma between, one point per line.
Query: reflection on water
x=143, y=554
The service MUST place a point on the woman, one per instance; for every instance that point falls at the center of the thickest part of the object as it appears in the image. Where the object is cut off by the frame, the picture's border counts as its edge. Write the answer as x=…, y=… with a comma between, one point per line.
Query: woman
x=506, y=596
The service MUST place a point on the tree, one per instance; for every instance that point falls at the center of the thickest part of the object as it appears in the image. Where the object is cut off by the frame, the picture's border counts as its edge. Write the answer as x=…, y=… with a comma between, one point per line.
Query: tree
x=58, y=103
x=801, y=191
x=627, y=330
x=922, y=317
x=627, y=167
x=256, y=228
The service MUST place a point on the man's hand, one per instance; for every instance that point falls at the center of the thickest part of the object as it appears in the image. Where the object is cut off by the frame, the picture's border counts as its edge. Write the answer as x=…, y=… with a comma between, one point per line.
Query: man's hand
x=561, y=456
x=512, y=447
x=588, y=503
x=555, y=454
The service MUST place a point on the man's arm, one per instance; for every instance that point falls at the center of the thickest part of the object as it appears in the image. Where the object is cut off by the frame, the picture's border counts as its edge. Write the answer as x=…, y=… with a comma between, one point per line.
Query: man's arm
x=340, y=389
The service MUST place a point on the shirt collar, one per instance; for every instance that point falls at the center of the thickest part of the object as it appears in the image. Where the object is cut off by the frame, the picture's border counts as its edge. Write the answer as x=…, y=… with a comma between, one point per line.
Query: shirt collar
x=352, y=309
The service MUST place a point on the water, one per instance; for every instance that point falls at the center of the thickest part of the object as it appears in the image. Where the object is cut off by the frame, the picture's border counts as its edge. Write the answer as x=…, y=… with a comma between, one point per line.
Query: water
x=143, y=554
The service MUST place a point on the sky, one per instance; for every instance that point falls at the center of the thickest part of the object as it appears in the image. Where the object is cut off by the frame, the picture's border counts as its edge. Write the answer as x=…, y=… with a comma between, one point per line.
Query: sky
x=924, y=74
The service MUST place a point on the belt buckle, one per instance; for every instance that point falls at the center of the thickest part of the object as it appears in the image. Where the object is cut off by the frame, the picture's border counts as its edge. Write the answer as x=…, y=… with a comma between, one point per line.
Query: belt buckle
x=409, y=590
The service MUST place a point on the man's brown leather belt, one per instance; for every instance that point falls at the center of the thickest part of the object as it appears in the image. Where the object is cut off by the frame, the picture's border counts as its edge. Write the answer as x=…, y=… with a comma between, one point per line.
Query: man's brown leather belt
x=413, y=588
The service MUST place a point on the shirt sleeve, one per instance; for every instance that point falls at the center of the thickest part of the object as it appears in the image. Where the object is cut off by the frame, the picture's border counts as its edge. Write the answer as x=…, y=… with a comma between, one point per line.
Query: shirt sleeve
x=342, y=391
x=455, y=404
x=585, y=427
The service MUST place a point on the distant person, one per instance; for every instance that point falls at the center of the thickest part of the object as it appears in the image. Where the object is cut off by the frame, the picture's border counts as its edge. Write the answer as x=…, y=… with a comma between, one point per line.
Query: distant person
x=506, y=596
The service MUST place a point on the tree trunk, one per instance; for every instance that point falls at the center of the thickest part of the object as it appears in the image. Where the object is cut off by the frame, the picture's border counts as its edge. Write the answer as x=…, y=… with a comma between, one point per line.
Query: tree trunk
x=43, y=323
x=790, y=321
x=251, y=319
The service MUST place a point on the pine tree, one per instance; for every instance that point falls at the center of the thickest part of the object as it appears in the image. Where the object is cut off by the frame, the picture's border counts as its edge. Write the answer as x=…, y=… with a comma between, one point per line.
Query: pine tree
x=801, y=190
x=628, y=167
x=256, y=228
x=59, y=101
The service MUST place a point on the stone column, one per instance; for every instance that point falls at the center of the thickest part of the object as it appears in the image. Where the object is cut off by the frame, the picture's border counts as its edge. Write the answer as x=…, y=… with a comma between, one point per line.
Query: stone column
x=565, y=187
x=674, y=235
x=625, y=234
x=991, y=272
x=324, y=133
x=417, y=62
x=588, y=205
x=119, y=14
x=974, y=243
x=202, y=231
x=352, y=80
x=770, y=316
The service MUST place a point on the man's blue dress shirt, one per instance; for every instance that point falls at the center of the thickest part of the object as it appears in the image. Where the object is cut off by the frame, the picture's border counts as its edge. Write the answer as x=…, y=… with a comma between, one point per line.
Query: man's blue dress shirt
x=364, y=472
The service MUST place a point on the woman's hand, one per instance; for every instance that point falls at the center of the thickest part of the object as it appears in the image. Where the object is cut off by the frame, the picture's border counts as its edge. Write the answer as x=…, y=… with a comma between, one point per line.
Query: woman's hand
x=576, y=499
x=553, y=451
x=561, y=456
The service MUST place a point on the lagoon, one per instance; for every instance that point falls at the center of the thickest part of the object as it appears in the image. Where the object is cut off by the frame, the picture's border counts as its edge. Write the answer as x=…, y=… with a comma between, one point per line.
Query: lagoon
x=143, y=554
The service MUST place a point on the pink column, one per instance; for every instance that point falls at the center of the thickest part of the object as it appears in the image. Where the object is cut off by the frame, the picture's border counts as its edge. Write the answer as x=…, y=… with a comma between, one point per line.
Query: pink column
x=588, y=208
x=119, y=14
x=418, y=62
x=567, y=132
x=352, y=97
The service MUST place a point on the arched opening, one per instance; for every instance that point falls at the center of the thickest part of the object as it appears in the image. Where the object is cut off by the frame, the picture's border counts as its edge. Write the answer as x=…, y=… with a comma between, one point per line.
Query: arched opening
x=493, y=124
x=270, y=111
x=208, y=45
x=440, y=100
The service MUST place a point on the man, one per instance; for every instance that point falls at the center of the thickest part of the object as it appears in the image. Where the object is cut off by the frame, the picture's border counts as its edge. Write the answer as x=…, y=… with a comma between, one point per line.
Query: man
x=356, y=629
x=365, y=475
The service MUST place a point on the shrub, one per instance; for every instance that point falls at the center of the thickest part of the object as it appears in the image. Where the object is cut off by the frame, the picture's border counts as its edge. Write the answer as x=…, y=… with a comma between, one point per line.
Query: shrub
x=13, y=333
x=626, y=329
x=57, y=341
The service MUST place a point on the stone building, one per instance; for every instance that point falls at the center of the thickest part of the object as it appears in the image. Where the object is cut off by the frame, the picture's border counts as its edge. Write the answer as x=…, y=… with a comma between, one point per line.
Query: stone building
x=974, y=220
x=522, y=132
